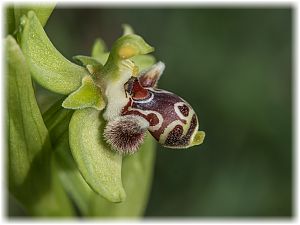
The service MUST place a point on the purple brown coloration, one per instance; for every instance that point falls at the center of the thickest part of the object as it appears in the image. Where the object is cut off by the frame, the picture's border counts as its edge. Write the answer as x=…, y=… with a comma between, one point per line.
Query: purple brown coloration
x=172, y=122
x=150, y=77
x=169, y=118
x=184, y=110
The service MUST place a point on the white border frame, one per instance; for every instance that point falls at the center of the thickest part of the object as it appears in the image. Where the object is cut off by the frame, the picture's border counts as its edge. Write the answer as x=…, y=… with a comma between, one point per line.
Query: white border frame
x=174, y=3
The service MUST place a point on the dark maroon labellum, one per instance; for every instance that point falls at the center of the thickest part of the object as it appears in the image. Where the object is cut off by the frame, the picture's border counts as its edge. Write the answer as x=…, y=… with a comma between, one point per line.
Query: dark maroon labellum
x=169, y=118
x=172, y=121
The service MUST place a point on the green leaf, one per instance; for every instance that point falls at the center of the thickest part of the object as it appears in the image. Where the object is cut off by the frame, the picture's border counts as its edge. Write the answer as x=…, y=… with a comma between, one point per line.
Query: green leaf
x=15, y=209
x=42, y=11
x=9, y=20
x=32, y=175
x=73, y=182
x=88, y=95
x=99, y=166
x=137, y=173
x=57, y=120
x=48, y=67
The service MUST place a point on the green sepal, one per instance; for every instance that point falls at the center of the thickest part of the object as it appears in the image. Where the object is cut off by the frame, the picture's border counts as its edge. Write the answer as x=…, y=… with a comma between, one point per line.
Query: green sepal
x=42, y=11
x=98, y=164
x=47, y=66
x=87, y=95
x=137, y=172
x=15, y=12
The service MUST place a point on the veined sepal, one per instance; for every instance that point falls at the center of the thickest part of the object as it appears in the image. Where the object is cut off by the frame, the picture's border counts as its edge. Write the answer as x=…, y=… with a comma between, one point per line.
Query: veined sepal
x=98, y=164
x=47, y=65
x=42, y=11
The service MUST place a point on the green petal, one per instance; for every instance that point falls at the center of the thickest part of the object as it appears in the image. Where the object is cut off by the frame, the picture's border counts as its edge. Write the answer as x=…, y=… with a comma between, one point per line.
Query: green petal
x=99, y=51
x=127, y=29
x=48, y=67
x=137, y=171
x=88, y=95
x=32, y=176
x=99, y=166
x=128, y=46
x=143, y=61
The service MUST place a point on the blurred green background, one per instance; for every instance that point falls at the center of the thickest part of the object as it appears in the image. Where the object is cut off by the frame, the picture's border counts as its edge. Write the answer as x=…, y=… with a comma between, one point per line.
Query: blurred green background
x=234, y=66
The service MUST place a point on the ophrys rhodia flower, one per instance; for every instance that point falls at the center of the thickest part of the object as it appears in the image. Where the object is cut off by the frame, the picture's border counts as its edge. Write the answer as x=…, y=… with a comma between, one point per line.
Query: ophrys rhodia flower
x=106, y=92
x=169, y=118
